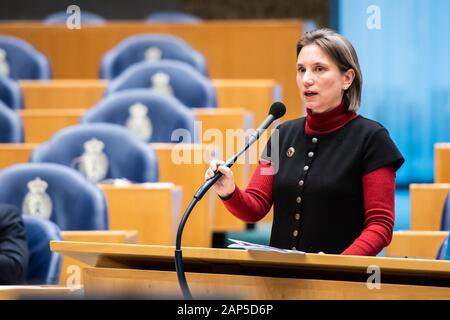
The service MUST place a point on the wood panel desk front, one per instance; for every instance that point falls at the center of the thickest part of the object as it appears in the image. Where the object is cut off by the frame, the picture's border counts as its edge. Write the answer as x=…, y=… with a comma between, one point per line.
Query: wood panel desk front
x=442, y=163
x=427, y=203
x=71, y=270
x=232, y=49
x=148, y=271
x=41, y=124
x=416, y=244
x=255, y=95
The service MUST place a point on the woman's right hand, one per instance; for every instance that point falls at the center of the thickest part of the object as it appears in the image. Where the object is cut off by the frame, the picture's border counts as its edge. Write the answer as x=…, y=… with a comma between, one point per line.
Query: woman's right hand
x=225, y=185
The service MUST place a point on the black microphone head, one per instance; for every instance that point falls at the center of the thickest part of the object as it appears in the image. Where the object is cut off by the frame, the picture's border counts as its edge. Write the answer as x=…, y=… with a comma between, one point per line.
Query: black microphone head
x=277, y=110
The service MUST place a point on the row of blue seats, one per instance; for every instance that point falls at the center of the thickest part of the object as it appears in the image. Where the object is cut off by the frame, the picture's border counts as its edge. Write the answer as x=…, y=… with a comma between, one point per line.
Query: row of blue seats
x=148, y=114
x=19, y=60
x=75, y=204
x=168, y=77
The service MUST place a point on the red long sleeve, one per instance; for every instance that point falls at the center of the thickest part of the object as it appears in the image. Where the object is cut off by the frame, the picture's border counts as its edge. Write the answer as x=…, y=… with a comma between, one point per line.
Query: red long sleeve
x=379, y=203
x=253, y=204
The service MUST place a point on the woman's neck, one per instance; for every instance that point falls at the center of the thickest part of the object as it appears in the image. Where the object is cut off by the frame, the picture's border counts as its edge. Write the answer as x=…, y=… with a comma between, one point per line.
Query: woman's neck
x=327, y=122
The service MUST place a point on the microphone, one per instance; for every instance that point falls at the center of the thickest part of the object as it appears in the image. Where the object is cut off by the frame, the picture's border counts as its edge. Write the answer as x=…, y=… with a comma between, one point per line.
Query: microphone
x=277, y=110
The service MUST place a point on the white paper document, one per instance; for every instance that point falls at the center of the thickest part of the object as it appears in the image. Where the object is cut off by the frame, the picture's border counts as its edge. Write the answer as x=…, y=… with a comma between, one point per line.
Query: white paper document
x=240, y=244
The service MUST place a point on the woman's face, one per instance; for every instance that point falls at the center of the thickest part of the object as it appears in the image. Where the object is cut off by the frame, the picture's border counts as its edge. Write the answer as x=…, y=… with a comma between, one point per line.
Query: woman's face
x=319, y=80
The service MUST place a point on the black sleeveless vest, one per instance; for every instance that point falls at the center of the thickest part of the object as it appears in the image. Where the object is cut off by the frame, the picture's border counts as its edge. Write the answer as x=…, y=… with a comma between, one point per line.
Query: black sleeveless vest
x=317, y=190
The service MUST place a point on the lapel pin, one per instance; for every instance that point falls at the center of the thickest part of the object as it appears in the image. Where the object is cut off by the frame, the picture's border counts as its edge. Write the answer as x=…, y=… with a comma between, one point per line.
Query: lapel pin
x=290, y=152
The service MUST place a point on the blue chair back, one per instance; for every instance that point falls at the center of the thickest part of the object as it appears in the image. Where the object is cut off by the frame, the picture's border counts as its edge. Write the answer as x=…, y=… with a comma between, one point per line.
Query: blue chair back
x=85, y=17
x=134, y=49
x=172, y=17
x=44, y=265
x=189, y=86
x=75, y=203
x=165, y=114
x=11, y=130
x=445, y=220
x=128, y=157
x=10, y=93
x=22, y=61
x=444, y=250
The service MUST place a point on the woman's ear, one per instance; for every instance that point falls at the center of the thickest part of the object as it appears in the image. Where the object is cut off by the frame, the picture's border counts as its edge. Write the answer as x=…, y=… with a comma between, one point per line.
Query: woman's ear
x=349, y=76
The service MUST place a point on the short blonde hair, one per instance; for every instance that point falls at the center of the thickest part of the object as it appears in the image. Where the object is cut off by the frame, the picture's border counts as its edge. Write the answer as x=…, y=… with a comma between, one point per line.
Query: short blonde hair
x=345, y=57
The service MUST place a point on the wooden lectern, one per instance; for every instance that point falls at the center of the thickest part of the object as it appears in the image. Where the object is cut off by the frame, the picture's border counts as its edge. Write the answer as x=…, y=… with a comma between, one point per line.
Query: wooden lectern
x=144, y=271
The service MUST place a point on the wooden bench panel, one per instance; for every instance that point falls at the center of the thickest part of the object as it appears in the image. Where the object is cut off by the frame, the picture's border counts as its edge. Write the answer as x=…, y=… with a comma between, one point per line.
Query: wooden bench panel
x=427, y=202
x=416, y=244
x=71, y=273
x=442, y=163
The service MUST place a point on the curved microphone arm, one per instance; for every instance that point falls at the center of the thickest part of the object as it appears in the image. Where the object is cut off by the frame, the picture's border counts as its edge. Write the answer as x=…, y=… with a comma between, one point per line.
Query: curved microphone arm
x=277, y=110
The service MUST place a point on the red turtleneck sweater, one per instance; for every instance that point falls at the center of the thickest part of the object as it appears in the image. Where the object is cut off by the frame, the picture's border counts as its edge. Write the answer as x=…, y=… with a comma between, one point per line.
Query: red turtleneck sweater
x=253, y=203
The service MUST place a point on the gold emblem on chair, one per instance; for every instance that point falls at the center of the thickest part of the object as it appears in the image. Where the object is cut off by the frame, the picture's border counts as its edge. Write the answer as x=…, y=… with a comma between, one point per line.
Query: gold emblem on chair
x=290, y=152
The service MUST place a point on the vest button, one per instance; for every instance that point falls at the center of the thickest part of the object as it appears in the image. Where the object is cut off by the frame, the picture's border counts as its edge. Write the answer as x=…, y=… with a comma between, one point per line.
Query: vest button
x=299, y=199
x=314, y=140
x=311, y=154
x=297, y=216
x=301, y=182
x=305, y=168
x=295, y=233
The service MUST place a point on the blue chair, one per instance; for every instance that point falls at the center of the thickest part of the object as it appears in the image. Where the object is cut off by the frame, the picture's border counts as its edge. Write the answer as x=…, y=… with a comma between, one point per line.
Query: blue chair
x=10, y=93
x=165, y=114
x=44, y=265
x=19, y=60
x=149, y=47
x=444, y=250
x=445, y=221
x=85, y=17
x=172, y=17
x=11, y=130
x=123, y=156
x=188, y=85
x=54, y=192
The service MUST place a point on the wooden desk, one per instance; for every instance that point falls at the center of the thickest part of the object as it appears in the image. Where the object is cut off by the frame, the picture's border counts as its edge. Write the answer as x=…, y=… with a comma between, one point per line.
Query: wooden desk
x=71, y=274
x=148, y=271
x=152, y=209
x=416, y=244
x=233, y=49
x=41, y=124
x=15, y=153
x=442, y=163
x=41, y=292
x=62, y=93
x=255, y=95
x=427, y=203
